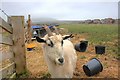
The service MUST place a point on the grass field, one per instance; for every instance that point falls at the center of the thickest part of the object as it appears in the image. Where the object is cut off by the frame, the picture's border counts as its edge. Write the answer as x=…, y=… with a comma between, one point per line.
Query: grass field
x=97, y=34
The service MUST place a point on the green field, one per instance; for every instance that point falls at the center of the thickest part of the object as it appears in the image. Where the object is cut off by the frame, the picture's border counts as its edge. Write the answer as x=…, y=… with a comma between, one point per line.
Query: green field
x=97, y=34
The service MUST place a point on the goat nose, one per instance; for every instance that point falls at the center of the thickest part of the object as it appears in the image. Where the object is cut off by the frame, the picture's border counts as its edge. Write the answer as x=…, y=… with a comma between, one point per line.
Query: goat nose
x=61, y=60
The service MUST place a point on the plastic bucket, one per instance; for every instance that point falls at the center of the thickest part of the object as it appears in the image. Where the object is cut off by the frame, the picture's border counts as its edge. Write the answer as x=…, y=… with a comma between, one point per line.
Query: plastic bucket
x=92, y=67
x=82, y=46
x=100, y=49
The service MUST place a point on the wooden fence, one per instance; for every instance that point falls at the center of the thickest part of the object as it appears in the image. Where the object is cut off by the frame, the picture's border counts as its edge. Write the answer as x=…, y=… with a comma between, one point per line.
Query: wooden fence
x=12, y=47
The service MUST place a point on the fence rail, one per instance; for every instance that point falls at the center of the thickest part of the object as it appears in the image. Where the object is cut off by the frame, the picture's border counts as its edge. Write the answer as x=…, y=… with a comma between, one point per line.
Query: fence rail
x=5, y=26
x=15, y=41
x=7, y=55
x=8, y=70
x=6, y=40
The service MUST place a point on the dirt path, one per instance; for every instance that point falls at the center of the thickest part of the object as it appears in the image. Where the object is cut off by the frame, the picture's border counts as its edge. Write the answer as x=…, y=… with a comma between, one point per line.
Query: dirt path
x=38, y=68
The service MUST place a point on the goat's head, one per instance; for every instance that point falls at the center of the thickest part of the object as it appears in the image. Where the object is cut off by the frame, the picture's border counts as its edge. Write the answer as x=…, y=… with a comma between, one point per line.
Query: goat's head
x=54, y=44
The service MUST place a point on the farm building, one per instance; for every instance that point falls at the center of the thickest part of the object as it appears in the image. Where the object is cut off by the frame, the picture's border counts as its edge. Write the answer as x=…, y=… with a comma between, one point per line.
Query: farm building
x=39, y=30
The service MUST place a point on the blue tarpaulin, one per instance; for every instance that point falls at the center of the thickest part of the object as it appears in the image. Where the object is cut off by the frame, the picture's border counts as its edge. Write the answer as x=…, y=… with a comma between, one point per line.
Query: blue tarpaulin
x=50, y=26
x=35, y=27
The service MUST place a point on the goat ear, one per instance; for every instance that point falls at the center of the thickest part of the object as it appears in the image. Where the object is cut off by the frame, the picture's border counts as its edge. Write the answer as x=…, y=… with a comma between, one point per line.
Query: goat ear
x=66, y=37
x=40, y=40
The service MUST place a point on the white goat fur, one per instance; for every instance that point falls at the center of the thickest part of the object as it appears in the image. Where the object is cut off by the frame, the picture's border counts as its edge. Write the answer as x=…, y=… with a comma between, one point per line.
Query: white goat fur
x=60, y=71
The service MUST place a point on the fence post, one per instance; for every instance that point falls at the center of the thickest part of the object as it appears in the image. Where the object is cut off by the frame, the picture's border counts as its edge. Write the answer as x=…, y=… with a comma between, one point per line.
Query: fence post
x=29, y=29
x=19, y=43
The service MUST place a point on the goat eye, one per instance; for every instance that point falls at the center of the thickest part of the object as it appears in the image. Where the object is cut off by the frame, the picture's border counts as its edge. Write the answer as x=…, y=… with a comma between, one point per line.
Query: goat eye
x=62, y=42
x=48, y=44
x=51, y=44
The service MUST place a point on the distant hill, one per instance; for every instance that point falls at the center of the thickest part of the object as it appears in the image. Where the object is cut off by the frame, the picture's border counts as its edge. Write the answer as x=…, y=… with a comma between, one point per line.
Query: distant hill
x=88, y=21
x=44, y=20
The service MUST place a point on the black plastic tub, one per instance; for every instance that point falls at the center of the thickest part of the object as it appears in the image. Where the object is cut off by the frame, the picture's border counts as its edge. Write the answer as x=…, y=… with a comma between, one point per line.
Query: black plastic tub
x=93, y=67
x=99, y=49
x=82, y=46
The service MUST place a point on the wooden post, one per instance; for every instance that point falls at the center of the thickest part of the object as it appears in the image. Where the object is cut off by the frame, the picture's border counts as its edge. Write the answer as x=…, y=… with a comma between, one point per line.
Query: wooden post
x=19, y=43
x=29, y=29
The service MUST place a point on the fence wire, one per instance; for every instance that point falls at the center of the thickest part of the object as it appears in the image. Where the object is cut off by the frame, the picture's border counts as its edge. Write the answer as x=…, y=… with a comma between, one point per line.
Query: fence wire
x=4, y=15
x=4, y=12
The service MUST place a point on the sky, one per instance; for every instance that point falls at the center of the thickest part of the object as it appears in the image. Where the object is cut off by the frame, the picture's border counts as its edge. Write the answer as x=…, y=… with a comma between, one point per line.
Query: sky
x=62, y=9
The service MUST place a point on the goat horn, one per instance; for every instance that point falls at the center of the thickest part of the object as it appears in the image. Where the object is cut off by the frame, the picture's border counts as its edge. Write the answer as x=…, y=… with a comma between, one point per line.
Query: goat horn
x=48, y=30
x=56, y=30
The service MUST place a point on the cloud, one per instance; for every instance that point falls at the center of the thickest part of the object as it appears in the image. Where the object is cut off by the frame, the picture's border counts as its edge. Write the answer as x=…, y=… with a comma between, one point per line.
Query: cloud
x=50, y=1
x=59, y=9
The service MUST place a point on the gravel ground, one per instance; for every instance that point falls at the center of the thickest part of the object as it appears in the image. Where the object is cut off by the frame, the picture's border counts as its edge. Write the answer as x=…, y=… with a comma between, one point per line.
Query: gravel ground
x=37, y=67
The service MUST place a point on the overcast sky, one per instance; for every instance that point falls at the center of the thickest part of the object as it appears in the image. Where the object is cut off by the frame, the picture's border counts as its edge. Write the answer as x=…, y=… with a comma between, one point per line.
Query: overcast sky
x=62, y=9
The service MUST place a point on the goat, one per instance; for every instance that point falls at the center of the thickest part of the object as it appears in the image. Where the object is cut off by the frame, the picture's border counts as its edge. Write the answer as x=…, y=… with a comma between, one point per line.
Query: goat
x=59, y=54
